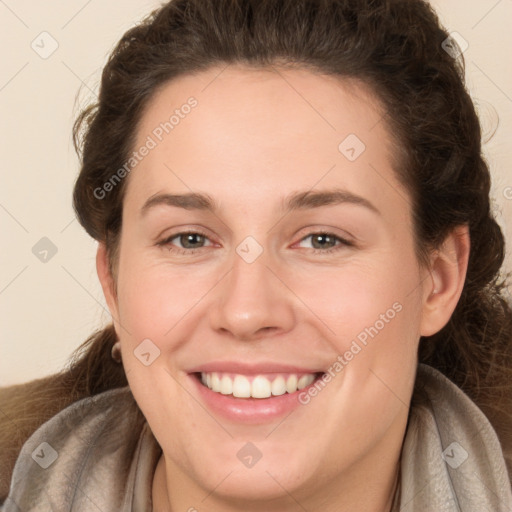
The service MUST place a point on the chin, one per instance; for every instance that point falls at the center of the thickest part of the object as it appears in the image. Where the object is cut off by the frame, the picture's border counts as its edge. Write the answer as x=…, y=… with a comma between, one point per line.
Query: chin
x=271, y=477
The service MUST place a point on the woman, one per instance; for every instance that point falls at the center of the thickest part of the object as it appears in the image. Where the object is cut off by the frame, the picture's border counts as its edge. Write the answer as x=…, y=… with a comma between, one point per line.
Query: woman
x=297, y=250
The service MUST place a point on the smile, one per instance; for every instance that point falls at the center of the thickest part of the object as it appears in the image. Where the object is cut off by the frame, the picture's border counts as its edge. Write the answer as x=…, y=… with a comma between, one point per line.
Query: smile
x=256, y=386
x=252, y=393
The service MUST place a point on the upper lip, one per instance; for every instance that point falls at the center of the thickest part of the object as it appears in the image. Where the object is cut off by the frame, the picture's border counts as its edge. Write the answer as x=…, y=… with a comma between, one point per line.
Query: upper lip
x=246, y=368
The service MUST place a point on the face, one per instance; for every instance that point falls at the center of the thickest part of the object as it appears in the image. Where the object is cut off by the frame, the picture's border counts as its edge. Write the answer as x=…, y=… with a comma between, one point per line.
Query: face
x=289, y=279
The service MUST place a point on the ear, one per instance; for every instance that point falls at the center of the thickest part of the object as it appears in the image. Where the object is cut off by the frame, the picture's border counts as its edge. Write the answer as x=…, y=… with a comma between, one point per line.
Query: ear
x=448, y=270
x=107, y=281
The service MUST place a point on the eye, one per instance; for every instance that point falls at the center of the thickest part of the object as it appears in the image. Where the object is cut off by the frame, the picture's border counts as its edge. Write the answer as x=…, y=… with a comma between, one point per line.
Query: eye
x=326, y=243
x=190, y=242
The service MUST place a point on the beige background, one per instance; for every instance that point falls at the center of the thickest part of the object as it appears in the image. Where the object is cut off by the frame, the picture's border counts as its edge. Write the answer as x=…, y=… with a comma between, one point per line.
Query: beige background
x=48, y=309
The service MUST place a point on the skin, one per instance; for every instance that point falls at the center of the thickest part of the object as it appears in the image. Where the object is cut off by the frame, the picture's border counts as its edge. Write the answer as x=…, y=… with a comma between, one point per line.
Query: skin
x=255, y=137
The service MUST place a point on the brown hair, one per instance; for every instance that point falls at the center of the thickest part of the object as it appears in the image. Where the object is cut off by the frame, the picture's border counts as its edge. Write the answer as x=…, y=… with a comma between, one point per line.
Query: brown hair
x=396, y=47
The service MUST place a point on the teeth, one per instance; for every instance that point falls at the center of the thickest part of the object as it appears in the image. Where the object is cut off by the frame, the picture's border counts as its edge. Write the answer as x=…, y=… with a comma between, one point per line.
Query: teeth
x=304, y=381
x=226, y=385
x=291, y=384
x=259, y=387
x=241, y=387
x=216, y=382
x=278, y=386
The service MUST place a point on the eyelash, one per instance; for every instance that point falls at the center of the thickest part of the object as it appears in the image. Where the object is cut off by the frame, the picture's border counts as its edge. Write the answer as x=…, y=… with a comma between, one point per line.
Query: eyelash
x=167, y=242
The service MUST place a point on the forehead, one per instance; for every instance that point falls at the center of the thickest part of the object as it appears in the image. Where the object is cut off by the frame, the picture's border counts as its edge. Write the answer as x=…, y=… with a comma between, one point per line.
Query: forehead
x=261, y=133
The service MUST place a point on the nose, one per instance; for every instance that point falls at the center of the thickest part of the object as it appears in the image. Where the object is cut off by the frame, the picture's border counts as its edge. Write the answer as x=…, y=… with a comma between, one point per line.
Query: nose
x=253, y=301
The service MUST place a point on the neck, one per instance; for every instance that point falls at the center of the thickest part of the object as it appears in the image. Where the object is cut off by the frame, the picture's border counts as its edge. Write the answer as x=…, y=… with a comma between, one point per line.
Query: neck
x=359, y=489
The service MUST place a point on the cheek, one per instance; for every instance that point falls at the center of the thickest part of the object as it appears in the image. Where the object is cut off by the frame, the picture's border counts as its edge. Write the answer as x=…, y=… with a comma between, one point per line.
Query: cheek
x=347, y=301
x=376, y=319
x=153, y=299
x=354, y=301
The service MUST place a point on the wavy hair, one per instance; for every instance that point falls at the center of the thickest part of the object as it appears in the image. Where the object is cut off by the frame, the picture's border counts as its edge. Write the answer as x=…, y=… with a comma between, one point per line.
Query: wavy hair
x=396, y=48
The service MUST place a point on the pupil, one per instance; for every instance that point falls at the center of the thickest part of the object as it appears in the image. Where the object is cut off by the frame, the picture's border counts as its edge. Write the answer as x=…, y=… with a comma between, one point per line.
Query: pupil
x=193, y=237
x=322, y=238
x=190, y=239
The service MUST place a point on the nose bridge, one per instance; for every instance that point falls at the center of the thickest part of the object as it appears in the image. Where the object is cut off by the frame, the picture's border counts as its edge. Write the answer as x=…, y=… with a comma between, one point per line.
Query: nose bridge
x=252, y=299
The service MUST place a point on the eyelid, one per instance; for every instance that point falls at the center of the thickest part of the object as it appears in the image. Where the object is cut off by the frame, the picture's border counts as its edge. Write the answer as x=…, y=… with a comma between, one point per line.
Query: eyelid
x=343, y=242
x=162, y=237
x=195, y=231
x=327, y=230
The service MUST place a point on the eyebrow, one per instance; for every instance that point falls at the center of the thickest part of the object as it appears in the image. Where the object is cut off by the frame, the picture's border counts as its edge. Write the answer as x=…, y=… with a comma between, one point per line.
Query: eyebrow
x=295, y=201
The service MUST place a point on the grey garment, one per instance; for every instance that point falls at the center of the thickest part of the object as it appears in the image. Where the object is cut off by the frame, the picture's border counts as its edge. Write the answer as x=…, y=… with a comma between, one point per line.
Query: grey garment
x=106, y=456
x=97, y=455
x=452, y=460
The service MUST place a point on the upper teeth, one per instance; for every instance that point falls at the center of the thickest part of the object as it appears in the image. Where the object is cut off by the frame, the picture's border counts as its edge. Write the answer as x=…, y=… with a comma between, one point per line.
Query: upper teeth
x=260, y=386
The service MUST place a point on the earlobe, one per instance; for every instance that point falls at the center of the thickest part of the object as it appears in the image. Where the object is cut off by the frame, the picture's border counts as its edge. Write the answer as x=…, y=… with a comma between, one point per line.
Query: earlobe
x=106, y=279
x=448, y=270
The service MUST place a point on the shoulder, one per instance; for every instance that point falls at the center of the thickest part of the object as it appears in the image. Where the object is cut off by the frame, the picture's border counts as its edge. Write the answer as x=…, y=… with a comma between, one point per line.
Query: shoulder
x=449, y=403
x=451, y=450
x=440, y=402
x=78, y=444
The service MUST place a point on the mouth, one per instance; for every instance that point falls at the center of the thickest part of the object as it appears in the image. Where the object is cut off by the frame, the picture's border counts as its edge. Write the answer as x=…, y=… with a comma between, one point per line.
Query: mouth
x=252, y=398
x=260, y=386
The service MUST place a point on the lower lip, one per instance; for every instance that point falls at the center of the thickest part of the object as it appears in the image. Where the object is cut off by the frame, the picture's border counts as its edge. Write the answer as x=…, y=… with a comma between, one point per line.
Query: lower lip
x=249, y=410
